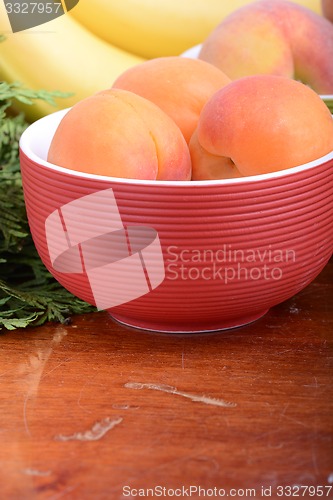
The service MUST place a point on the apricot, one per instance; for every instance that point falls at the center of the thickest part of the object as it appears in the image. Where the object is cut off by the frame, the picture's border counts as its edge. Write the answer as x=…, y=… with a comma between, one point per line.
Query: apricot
x=275, y=37
x=180, y=86
x=206, y=166
x=261, y=124
x=120, y=134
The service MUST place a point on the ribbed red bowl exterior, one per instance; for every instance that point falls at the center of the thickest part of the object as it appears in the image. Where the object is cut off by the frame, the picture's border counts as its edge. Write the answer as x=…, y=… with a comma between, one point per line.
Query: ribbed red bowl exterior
x=281, y=224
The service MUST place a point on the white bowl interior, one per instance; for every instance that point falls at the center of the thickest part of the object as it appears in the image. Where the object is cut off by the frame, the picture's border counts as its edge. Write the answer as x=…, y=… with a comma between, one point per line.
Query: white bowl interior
x=42, y=132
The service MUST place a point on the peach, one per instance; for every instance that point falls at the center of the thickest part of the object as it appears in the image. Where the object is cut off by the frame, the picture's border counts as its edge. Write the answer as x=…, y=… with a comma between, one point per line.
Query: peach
x=261, y=124
x=274, y=37
x=120, y=134
x=180, y=86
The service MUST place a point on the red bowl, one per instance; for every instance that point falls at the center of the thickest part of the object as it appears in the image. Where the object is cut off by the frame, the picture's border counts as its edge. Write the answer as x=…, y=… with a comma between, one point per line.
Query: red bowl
x=178, y=256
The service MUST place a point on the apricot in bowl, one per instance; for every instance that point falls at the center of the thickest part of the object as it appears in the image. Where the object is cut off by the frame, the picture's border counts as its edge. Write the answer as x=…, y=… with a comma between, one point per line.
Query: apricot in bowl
x=118, y=133
x=260, y=124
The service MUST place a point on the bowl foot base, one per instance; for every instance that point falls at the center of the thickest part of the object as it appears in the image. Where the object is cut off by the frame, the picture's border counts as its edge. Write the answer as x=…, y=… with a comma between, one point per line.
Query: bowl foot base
x=190, y=327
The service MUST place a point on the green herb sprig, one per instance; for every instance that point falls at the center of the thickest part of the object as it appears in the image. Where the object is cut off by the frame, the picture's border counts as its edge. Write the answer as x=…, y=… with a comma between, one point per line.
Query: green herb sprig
x=29, y=295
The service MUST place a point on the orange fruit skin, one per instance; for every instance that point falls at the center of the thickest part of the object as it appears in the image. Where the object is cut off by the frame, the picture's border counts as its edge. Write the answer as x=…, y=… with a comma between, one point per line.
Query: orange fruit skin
x=265, y=123
x=180, y=86
x=120, y=134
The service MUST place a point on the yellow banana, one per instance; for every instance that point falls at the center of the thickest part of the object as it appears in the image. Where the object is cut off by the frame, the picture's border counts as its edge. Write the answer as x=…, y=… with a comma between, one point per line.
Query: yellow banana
x=59, y=55
x=154, y=28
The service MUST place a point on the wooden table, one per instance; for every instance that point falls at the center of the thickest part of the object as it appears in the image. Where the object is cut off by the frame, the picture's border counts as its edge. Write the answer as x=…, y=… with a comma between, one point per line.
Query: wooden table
x=95, y=410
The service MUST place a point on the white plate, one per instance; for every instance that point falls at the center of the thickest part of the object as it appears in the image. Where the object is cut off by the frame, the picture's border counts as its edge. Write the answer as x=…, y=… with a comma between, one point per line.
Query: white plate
x=193, y=52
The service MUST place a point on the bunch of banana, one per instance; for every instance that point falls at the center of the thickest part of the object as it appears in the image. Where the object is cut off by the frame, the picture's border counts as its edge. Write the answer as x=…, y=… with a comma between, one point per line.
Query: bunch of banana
x=154, y=28
x=59, y=55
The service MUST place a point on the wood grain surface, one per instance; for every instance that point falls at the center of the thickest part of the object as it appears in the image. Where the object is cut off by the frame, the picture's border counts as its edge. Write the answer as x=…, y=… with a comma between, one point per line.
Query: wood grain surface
x=95, y=410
